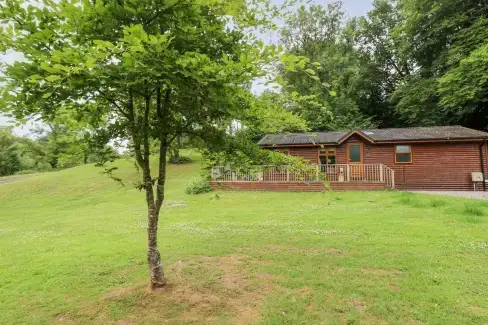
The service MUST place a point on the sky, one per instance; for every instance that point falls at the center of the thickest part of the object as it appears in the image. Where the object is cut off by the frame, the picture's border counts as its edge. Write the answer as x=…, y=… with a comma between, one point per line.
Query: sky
x=353, y=8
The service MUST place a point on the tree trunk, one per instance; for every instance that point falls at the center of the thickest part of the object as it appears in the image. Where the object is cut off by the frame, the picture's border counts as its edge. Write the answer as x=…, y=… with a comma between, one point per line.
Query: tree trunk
x=156, y=273
x=154, y=259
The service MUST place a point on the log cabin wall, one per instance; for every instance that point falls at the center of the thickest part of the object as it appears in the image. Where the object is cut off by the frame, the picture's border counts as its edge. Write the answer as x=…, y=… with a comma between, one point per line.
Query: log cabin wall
x=434, y=166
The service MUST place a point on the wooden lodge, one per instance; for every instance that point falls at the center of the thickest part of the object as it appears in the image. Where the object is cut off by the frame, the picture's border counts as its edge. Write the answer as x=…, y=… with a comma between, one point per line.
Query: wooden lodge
x=420, y=158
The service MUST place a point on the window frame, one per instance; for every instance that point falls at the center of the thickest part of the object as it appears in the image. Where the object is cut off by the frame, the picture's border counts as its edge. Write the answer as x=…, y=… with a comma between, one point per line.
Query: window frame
x=403, y=153
x=328, y=152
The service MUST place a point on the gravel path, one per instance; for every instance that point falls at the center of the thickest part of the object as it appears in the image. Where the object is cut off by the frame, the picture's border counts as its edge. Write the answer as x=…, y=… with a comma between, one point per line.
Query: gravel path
x=471, y=195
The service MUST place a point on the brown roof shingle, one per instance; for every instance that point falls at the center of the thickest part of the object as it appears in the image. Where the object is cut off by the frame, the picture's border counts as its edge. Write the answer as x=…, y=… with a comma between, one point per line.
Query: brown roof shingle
x=377, y=135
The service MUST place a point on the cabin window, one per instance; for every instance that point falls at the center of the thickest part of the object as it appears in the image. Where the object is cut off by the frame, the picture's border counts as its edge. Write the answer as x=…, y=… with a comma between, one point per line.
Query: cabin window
x=403, y=154
x=327, y=156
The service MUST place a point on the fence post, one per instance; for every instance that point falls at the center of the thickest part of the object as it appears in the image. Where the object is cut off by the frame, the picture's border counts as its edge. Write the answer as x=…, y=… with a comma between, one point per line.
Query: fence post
x=381, y=174
x=317, y=173
x=287, y=173
x=348, y=173
x=392, y=179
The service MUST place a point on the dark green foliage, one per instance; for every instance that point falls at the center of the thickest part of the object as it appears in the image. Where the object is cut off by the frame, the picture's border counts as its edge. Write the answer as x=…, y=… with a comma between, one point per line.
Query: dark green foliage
x=179, y=160
x=199, y=187
x=318, y=33
x=10, y=160
x=406, y=63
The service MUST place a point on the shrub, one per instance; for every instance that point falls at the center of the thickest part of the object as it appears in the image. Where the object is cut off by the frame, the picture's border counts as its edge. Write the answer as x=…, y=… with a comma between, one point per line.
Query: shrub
x=199, y=187
x=179, y=160
x=43, y=167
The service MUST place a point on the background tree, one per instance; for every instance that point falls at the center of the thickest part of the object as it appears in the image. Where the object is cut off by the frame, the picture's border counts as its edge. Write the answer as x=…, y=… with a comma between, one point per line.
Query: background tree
x=319, y=33
x=448, y=41
x=429, y=57
x=10, y=161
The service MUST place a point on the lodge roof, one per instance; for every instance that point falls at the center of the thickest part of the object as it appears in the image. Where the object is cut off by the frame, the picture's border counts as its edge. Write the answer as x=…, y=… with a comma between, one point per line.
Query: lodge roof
x=443, y=133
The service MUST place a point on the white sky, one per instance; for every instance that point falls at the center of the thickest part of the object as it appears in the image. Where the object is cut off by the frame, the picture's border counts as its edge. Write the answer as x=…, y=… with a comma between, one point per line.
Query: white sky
x=352, y=7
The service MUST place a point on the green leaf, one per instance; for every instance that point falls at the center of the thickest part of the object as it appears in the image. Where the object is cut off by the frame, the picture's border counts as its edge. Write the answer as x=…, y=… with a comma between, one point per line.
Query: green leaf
x=53, y=77
x=310, y=71
x=46, y=95
x=332, y=93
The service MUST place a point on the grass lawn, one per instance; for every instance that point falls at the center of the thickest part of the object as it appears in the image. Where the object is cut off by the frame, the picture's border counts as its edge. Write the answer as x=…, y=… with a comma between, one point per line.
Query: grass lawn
x=73, y=245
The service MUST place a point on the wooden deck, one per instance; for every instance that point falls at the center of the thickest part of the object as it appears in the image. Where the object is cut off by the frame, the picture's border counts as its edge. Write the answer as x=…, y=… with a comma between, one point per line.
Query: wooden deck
x=310, y=178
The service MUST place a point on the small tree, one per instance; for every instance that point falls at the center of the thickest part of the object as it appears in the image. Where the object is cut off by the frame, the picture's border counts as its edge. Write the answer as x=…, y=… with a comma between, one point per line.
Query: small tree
x=140, y=70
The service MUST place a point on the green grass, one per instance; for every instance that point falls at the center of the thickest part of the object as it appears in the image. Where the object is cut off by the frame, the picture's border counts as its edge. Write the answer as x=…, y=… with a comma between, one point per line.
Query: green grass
x=72, y=251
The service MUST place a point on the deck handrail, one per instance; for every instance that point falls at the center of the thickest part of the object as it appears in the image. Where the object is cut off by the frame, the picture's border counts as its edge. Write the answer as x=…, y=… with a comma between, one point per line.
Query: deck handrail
x=372, y=173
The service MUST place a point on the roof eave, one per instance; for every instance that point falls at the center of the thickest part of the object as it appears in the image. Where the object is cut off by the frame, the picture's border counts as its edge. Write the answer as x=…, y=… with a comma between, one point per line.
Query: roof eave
x=476, y=139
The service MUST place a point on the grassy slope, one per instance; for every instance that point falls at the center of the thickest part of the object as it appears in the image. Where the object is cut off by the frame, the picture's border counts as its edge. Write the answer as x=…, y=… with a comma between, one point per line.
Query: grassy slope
x=72, y=251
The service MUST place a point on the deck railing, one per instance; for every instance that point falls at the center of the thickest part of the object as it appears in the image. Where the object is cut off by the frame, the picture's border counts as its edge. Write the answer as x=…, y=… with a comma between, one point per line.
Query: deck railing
x=371, y=173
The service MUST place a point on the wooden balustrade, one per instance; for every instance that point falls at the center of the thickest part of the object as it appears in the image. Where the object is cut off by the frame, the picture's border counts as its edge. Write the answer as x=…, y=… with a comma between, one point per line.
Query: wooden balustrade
x=369, y=173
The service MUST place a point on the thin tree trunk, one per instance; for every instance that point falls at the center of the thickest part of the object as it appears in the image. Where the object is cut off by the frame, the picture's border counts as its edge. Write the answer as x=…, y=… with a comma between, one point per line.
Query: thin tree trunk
x=153, y=256
x=156, y=273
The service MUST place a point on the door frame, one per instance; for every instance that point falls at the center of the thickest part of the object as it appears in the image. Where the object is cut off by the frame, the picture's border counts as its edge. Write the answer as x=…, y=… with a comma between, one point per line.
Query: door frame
x=360, y=144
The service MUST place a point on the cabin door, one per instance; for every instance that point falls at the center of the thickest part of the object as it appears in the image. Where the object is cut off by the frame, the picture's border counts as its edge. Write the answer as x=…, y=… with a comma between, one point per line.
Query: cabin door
x=355, y=160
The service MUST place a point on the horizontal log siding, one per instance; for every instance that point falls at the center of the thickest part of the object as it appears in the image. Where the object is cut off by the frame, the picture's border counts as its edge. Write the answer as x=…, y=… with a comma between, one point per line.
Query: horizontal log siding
x=435, y=166
x=309, y=153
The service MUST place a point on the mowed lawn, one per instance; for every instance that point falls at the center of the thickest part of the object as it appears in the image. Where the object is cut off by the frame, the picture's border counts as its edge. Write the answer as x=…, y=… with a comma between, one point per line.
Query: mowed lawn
x=73, y=245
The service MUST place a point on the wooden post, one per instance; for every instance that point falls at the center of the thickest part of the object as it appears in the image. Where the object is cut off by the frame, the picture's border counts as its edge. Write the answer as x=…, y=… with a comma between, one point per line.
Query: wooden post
x=317, y=173
x=348, y=173
x=287, y=173
x=392, y=179
x=381, y=173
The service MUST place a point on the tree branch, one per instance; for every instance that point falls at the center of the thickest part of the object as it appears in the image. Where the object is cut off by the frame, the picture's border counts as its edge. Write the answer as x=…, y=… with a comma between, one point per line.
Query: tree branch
x=163, y=146
x=117, y=106
x=133, y=129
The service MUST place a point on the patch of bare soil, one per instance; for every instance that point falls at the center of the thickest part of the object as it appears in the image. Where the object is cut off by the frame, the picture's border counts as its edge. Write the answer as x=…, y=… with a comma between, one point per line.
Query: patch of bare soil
x=191, y=299
x=120, y=292
x=359, y=305
x=125, y=322
x=394, y=287
x=479, y=311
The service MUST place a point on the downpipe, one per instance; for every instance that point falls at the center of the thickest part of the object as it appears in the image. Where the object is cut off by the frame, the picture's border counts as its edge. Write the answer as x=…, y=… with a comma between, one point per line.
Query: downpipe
x=482, y=162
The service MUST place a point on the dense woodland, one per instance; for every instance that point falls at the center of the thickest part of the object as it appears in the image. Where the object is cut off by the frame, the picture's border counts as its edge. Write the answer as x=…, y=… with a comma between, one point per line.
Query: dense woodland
x=407, y=63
